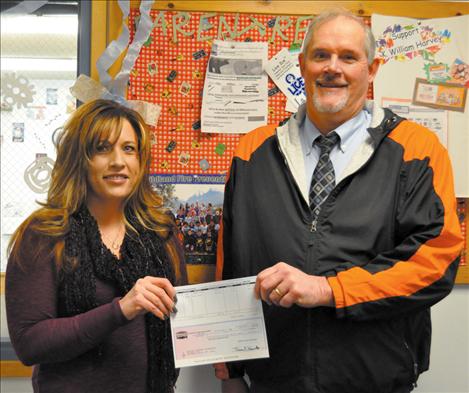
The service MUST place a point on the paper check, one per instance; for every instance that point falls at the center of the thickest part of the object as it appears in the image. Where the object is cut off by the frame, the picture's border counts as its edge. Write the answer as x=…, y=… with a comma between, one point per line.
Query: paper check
x=218, y=321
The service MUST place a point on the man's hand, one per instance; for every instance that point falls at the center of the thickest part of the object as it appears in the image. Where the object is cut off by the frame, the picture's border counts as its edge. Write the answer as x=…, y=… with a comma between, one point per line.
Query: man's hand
x=233, y=385
x=285, y=285
x=221, y=371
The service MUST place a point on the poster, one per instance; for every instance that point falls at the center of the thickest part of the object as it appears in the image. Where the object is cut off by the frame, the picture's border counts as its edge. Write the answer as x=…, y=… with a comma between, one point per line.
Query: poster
x=426, y=62
x=235, y=90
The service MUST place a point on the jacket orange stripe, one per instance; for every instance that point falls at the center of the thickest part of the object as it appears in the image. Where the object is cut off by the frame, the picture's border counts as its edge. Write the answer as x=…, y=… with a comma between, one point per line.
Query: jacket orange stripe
x=250, y=142
x=247, y=145
x=220, y=258
x=432, y=259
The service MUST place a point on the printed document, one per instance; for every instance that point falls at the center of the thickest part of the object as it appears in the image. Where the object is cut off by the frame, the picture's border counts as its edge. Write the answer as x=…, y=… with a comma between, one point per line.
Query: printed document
x=284, y=70
x=218, y=322
x=435, y=120
x=235, y=91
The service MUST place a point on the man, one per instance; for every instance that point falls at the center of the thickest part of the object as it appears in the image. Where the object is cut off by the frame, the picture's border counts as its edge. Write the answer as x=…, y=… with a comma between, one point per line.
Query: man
x=352, y=237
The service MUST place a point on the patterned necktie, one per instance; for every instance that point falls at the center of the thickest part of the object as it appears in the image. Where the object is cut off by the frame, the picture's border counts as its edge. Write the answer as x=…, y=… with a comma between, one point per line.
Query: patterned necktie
x=323, y=181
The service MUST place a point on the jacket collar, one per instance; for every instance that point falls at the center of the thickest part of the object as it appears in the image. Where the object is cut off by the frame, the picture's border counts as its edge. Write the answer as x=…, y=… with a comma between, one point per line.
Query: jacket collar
x=288, y=134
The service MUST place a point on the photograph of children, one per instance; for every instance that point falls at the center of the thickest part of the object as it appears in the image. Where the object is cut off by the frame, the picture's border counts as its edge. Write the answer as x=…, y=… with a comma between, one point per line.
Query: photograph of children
x=51, y=96
x=18, y=132
x=197, y=209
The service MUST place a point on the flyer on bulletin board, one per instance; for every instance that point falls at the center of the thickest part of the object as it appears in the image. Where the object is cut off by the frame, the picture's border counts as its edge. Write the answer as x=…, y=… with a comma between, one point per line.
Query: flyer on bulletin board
x=234, y=98
x=426, y=63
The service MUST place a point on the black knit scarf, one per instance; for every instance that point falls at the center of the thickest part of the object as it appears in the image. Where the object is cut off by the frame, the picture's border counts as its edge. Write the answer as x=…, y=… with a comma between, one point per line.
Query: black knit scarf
x=142, y=255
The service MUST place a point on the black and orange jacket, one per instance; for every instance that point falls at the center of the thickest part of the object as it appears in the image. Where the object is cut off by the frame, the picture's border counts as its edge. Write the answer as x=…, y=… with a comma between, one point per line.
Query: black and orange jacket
x=387, y=238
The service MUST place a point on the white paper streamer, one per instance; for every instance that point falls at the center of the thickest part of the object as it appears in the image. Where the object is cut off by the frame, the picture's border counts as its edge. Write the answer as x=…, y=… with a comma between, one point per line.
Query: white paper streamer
x=114, y=49
x=118, y=85
x=144, y=29
x=86, y=89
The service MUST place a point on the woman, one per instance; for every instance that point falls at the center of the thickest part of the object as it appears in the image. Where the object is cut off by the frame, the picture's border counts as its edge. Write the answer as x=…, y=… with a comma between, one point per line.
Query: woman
x=89, y=284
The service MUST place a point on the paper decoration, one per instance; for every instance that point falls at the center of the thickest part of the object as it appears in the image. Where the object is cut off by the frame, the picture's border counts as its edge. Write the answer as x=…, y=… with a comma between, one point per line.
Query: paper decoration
x=37, y=175
x=16, y=90
x=405, y=41
x=86, y=89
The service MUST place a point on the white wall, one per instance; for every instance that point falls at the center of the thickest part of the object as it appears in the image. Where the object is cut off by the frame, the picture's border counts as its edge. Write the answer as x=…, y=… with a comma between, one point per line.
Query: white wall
x=449, y=364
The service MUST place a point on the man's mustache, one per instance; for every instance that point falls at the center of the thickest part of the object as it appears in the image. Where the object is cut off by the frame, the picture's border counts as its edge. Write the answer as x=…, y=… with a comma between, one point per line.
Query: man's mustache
x=328, y=78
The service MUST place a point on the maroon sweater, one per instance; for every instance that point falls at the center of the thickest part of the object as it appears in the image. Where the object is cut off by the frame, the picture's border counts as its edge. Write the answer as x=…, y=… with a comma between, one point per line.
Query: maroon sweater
x=60, y=347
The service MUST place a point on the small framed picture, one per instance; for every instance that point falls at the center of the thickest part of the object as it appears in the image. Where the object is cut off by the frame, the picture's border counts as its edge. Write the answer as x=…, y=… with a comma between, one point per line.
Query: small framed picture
x=449, y=96
x=51, y=96
x=460, y=73
x=184, y=88
x=18, y=132
x=184, y=158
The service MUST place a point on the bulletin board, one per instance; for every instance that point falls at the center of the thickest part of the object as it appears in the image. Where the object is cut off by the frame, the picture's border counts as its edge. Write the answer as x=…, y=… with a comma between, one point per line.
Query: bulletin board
x=181, y=61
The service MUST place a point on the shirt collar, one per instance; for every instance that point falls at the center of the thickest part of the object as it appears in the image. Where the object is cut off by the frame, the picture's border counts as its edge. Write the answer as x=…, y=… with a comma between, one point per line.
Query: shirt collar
x=345, y=131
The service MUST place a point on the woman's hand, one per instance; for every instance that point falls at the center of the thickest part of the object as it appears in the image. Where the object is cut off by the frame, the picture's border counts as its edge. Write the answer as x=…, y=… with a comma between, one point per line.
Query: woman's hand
x=149, y=294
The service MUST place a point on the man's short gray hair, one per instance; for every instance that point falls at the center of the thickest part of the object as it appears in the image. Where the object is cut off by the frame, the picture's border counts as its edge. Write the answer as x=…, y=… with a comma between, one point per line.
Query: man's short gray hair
x=318, y=21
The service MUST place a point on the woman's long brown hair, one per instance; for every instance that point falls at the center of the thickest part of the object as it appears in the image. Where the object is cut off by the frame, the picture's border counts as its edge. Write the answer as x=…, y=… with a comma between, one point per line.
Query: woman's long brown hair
x=89, y=125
